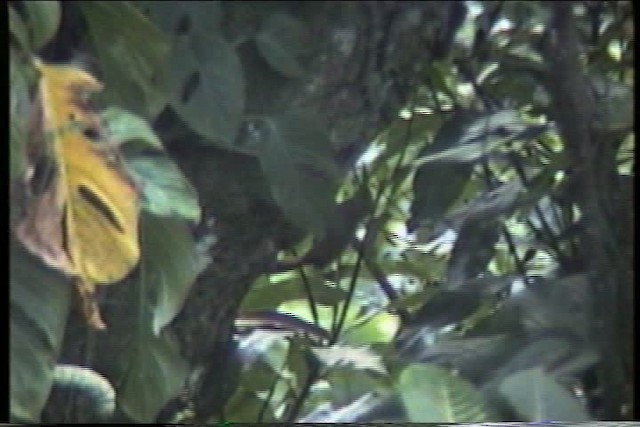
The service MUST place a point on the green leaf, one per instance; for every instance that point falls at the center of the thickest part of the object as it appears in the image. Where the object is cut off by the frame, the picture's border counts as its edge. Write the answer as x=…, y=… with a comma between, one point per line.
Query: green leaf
x=280, y=41
x=536, y=396
x=18, y=29
x=348, y=384
x=433, y=394
x=146, y=369
x=155, y=373
x=17, y=140
x=164, y=189
x=180, y=17
x=169, y=265
x=380, y=328
x=269, y=297
x=207, y=86
x=124, y=126
x=40, y=300
x=297, y=159
x=43, y=19
x=18, y=110
x=132, y=54
x=245, y=407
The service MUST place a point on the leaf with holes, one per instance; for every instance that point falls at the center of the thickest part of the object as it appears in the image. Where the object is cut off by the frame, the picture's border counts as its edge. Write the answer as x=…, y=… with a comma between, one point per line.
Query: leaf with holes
x=298, y=160
x=177, y=18
x=132, y=53
x=85, y=222
x=207, y=86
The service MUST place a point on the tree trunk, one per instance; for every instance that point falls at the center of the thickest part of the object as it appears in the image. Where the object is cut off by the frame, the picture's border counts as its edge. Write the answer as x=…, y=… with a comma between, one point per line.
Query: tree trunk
x=605, y=200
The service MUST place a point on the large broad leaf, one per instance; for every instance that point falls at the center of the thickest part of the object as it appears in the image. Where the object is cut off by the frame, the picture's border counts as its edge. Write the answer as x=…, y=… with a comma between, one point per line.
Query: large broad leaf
x=473, y=357
x=349, y=413
x=297, y=159
x=536, y=396
x=43, y=19
x=132, y=54
x=164, y=189
x=562, y=303
x=168, y=267
x=40, y=300
x=207, y=86
x=156, y=375
x=18, y=111
x=123, y=126
x=18, y=29
x=548, y=351
x=179, y=17
x=281, y=39
x=85, y=221
x=136, y=354
x=433, y=394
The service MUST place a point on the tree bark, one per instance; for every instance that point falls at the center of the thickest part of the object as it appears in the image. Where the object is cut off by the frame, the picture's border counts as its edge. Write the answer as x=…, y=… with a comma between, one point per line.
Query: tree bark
x=605, y=201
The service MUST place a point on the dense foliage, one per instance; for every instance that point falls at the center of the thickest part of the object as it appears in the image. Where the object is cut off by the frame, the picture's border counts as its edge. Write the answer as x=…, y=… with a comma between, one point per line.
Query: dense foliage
x=411, y=211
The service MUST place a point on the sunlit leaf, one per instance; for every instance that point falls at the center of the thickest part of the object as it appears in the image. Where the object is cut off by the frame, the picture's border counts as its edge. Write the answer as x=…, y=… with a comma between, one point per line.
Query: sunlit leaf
x=164, y=190
x=272, y=295
x=123, y=126
x=355, y=357
x=433, y=394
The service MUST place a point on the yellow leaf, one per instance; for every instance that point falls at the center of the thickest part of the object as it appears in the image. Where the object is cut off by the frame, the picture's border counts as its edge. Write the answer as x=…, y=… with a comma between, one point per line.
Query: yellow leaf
x=86, y=222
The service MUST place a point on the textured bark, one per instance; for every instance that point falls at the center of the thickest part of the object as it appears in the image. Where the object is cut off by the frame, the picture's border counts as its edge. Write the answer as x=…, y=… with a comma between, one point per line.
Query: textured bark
x=605, y=200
